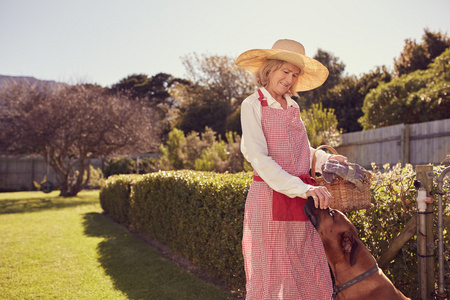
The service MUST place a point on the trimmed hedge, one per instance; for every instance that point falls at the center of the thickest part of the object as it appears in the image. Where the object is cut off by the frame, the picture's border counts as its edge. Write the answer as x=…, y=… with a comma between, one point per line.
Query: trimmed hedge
x=199, y=215
x=115, y=197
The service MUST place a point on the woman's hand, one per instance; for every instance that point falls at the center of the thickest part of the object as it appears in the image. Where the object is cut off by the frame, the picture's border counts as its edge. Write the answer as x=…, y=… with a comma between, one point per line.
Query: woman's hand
x=341, y=158
x=321, y=196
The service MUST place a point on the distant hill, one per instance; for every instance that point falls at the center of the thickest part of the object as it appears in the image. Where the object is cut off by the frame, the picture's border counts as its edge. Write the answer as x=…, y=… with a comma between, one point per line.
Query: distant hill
x=4, y=79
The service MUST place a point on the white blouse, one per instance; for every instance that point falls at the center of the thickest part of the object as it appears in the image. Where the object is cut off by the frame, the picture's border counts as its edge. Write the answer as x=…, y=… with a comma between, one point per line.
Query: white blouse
x=254, y=148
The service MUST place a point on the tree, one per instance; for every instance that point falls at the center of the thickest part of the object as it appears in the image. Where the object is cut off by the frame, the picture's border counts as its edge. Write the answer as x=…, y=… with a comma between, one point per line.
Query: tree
x=336, y=69
x=418, y=56
x=347, y=97
x=153, y=92
x=215, y=91
x=197, y=117
x=69, y=125
x=420, y=96
x=223, y=79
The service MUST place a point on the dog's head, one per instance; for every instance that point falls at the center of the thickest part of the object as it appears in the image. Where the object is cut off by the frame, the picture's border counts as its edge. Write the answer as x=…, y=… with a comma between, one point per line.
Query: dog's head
x=338, y=234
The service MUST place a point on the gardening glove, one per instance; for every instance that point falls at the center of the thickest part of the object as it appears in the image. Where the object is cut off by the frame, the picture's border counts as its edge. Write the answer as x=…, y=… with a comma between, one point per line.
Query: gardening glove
x=351, y=172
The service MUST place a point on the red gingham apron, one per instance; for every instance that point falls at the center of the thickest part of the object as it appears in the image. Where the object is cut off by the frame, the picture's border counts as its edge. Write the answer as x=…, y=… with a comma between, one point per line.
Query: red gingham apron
x=283, y=259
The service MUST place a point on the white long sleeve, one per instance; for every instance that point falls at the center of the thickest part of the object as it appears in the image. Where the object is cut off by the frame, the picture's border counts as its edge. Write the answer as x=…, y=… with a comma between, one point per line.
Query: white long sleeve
x=254, y=148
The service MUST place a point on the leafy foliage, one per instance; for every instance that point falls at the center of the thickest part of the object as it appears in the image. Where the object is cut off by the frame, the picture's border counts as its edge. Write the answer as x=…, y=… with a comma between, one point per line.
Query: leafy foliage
x=213, y=158
x=115, y=197
x=180, y=152
x=202, y=152
x=335, y=68
x=418, y=56
x=127, y=165
x=123, y=165
x=394, y=199
x=347, y=97
x=413, y=98
x=198, y=116
x=321, y=126
x=96, y=178
x=152, y=92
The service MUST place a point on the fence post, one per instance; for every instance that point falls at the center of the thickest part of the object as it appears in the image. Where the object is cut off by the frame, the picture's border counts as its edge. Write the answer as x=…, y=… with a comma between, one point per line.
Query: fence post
x=426, y=239
x=405, y=144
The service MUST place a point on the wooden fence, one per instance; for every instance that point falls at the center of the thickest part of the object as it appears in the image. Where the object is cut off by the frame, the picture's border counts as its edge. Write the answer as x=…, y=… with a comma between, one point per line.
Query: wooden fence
x=417, y=144
x=18, y=173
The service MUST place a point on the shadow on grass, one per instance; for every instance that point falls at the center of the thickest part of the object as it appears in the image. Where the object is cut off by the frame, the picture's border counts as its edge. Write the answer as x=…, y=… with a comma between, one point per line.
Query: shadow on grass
x=36, y=204
x=140, y=271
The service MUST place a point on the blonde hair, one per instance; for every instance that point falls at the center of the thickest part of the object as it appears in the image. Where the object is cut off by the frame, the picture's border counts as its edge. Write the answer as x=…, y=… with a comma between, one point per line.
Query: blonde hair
x=267, y=67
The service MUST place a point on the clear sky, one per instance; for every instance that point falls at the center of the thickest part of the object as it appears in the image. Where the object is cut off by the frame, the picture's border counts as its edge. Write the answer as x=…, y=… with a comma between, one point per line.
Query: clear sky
x=103, y=41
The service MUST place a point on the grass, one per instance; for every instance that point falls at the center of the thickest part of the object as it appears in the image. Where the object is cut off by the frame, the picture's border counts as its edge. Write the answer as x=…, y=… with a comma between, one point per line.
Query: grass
x=63, y=248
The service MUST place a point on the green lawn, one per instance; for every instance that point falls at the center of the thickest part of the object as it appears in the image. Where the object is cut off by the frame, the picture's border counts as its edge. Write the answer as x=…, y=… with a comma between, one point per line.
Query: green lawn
x=63, y=248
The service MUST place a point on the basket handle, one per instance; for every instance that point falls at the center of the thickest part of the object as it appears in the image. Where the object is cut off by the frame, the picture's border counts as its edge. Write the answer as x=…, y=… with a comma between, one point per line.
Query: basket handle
x=313, y=163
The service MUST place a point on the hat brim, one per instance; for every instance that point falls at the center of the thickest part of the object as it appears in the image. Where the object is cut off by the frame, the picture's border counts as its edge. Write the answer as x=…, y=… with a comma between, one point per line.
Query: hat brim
x=313, y=72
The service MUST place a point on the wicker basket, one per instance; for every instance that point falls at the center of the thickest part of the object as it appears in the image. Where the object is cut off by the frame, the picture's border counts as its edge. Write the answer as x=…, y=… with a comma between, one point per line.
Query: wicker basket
x=346, y=196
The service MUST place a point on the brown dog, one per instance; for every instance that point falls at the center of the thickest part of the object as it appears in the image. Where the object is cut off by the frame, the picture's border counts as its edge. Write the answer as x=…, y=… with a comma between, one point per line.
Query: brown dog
x=355, y=270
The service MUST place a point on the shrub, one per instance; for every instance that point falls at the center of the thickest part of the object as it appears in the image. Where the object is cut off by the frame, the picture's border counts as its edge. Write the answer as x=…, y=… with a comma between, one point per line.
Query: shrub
x=321, y=126
x=126, y=165
x=203, y=152
x=213, y=158
x=121, y=165
x=394, y=198
x=148, y=165
x=96, y=178
x=180, y=151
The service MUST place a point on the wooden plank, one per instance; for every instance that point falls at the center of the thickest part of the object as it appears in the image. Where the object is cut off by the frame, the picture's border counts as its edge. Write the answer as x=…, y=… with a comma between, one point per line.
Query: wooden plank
x=403, y=237
x=429, y=143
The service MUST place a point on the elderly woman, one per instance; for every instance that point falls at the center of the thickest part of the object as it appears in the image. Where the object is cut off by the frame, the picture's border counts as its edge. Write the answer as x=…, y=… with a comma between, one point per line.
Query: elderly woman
x=283, y=254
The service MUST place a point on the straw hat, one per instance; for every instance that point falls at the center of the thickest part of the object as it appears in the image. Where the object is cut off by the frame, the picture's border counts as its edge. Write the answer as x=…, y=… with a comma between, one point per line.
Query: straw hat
x=313, y=73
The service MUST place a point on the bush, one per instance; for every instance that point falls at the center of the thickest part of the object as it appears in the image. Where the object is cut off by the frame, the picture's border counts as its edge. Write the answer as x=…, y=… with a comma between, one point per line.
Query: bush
x=203, y=152
x=321, y=126
x=96, y=178
x=148, y=165
x=394, y=198
x=126, y=165
x=121, y=165
x=213, y=158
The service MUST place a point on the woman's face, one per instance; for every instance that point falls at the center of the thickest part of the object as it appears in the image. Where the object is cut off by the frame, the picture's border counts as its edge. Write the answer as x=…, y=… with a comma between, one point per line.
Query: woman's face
x=281, y=80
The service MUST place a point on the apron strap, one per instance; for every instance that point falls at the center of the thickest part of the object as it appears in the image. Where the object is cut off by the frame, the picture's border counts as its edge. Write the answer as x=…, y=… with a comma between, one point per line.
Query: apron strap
x=261, y=98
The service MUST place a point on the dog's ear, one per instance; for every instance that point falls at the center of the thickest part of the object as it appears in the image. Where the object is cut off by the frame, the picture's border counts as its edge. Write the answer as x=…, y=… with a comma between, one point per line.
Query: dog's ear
x=350, y=245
